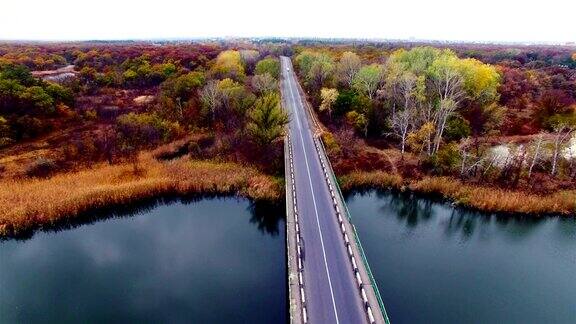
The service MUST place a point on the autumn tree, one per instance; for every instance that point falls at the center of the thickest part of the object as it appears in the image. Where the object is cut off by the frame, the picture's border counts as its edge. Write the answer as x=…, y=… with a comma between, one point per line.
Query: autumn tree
x=409, y=97
x=266, y=120
x=368, y=79
x=268, y=65
x=36, y=97
x=136, y=131
x=446, y=83
x=358, y=121
x=304, y=62
x=321, y=70
x=177, y=94
x=347, y=68
x=236, y=97
x=225, y=100
x=228, y=64
x=553, y=102
x=249, y=58
x=106, y=141
x=264, y=83
x=183, y=86
x=563, y=128
x=328, y=96
x=316, y=68
x=480, y=84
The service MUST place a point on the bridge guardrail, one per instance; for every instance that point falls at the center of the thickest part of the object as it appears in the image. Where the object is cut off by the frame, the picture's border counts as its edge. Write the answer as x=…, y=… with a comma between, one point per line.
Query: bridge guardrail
x=356, y=238
x=317, y=125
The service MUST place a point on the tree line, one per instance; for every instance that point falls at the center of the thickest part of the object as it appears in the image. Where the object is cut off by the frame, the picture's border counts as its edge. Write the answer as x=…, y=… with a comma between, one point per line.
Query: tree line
x=442, y=107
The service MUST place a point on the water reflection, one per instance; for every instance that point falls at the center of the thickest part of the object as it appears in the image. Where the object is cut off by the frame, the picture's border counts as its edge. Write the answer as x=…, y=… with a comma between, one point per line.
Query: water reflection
x=566, y=229
x=415, y=210
x=213, y=260
x=266, y=215
x=409, y=208
x=438, y=264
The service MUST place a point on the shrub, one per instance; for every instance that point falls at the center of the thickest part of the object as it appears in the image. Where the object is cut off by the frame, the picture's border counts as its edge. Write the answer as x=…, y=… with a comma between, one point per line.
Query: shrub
x=30, y=127
x=90, y=114
x=145, y=130
x=60, y=94
x=445, y=160
x=457, y=128
x=41, y=168
x=331, y=144
x=5, y=133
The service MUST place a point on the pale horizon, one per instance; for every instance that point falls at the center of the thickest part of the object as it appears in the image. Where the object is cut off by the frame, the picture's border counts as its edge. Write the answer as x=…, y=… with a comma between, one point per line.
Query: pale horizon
x=444, y=20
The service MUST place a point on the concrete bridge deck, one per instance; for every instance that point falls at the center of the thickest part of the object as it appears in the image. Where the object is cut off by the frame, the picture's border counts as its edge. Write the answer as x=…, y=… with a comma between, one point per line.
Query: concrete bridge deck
x=329, y=278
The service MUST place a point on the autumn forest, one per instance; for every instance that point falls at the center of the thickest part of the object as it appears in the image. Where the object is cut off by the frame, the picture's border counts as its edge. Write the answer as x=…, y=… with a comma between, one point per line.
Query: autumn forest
x=84, y=125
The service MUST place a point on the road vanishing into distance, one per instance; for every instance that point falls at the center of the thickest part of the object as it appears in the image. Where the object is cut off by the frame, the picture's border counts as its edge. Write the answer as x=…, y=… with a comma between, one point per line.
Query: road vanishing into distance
x=330, y=288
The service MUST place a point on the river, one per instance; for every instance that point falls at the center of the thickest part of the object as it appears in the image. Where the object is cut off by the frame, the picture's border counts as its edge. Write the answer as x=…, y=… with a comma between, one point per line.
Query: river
x=216, y=260
x=222, y=260
x=437, y=264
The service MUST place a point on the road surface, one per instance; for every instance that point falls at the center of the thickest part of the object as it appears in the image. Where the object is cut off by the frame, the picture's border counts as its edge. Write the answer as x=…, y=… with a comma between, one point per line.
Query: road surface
x=331, y=291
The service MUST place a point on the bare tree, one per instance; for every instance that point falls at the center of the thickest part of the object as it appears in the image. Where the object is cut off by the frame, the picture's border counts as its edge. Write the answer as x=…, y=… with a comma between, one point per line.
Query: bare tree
x=403, y=120
x=347, y=67
x=211, y=97
x=264, y=83
x=464, y=153
x=535, y=155
x=562, y=134
x=106, y=140
x=448, y=84
x=401, y=124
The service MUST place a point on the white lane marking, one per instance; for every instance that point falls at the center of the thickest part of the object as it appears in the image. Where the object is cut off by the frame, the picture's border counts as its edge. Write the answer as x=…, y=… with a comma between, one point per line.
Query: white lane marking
x=314, y=201
x=292, y=95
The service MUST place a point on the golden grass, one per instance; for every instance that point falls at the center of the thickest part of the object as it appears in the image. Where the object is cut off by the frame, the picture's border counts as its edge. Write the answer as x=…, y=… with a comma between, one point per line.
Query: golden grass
x=482, y=198
x=29, y=204
x=378, y=179
x=498, y=200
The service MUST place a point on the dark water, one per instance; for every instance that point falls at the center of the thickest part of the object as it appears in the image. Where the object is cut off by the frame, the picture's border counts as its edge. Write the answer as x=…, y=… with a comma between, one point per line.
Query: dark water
x=435, y=264
x=218, y=260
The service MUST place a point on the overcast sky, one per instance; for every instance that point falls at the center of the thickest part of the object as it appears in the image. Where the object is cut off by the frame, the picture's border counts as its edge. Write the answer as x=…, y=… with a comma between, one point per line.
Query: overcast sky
x=486, y=20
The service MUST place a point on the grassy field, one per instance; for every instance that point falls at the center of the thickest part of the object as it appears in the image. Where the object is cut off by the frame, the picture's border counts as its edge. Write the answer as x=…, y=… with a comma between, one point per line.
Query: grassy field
x=473, y=196
x=33, y=203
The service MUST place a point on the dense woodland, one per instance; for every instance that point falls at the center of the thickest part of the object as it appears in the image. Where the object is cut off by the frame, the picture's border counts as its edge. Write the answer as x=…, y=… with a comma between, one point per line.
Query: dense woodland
x=212, y=101
x=483, y=114
x=480, y=113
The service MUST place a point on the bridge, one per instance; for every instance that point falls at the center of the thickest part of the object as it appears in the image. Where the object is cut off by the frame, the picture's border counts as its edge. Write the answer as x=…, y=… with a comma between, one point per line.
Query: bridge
x=328, y=276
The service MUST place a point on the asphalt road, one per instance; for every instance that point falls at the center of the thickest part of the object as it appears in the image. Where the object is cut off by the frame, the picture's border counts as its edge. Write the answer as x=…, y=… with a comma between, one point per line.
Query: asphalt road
x=331, y=292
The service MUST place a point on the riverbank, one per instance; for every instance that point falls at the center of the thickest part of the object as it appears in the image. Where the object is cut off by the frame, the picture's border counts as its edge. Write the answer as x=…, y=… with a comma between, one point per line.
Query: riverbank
x=485, y=199
x=34, y=203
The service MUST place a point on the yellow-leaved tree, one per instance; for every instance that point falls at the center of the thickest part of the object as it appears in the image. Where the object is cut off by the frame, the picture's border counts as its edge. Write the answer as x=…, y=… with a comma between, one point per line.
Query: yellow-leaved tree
x=329, y=96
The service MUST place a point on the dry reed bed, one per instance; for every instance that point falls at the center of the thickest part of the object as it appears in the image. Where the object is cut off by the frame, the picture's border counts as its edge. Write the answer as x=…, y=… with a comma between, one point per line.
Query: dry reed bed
x=371, y=179
x=482, y=198
x=30, y=204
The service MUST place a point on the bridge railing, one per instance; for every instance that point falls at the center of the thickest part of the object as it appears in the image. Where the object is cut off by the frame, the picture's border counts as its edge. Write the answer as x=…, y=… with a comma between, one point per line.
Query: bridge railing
x=356, y=237
x=317, y=126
